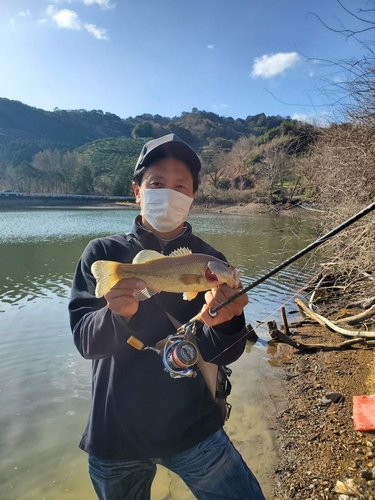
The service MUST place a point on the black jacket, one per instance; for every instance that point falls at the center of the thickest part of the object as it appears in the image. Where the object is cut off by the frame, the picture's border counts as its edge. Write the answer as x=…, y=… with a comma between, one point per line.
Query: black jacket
x=138, y=410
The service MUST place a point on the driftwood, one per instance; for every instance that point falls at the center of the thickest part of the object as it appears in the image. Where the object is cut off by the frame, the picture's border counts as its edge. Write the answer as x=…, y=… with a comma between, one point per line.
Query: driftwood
x=316, y=289
x=276, y=334
x=357, y=318
x=362, y=304
x=285, y=321
x=326, y=322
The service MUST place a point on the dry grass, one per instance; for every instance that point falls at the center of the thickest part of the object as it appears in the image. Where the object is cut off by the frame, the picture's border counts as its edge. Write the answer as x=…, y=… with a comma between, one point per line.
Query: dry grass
x=342, y=167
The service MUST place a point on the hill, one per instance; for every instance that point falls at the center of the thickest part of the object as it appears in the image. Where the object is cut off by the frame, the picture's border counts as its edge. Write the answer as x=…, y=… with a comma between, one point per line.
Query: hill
x=87, y=152
x=25, y=130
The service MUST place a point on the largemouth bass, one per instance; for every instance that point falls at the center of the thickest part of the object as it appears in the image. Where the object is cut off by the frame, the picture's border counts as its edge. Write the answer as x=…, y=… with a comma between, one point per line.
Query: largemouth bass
x=180, y=272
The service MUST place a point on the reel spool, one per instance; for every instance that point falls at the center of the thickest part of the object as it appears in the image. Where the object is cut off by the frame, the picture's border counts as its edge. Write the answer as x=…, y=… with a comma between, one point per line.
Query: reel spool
x=178, y=355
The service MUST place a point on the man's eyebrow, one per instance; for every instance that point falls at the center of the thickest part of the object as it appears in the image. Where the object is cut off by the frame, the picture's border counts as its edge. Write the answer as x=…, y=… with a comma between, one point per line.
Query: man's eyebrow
x=157, y=175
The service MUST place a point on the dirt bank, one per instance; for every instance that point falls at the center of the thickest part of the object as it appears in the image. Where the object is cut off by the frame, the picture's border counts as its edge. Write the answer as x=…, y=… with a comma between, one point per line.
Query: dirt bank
x=316, y=440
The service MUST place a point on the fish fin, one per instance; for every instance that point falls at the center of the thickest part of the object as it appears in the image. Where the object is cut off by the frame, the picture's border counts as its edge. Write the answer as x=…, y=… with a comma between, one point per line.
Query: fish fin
x=189, y=295
x=106, y=274
x=189, y=279
x=180, y=252
x=146, y=255
x=144, y=294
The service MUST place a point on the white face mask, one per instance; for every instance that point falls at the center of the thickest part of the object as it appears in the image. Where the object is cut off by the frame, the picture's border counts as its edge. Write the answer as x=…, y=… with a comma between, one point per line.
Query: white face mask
x=165, y=209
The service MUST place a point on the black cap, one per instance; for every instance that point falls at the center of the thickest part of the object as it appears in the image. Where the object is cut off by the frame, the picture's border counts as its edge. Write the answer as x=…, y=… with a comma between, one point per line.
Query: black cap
x=168, y=145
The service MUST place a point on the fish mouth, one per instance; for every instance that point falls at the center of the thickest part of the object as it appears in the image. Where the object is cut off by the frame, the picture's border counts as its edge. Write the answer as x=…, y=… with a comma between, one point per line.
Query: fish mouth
x=210, y=276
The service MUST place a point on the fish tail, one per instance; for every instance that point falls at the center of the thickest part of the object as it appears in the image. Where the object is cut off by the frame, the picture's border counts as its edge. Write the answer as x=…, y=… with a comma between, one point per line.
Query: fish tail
x=106, y=274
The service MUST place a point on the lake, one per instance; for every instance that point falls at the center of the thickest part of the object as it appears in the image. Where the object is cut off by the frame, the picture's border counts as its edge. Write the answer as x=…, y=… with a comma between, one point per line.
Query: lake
x=45, y=385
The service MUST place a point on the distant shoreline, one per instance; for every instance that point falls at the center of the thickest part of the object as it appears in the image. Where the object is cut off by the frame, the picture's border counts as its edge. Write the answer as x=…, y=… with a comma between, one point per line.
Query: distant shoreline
x=56, y=204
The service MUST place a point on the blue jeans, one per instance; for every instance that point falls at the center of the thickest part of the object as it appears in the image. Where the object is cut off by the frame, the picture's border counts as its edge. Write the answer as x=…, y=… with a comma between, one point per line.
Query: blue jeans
x=213, y=470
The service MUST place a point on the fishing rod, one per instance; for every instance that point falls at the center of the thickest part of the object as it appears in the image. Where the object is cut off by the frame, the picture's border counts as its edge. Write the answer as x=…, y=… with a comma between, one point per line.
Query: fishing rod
x=295, y=257
x=179, y=352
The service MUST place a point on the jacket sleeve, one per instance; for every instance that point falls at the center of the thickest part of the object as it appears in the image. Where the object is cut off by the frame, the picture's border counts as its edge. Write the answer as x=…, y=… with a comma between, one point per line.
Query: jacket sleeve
x=224, y=343
x=97, y=331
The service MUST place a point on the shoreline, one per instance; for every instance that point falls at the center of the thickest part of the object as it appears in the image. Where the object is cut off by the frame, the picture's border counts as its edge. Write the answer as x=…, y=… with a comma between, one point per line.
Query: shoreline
x=240, y=209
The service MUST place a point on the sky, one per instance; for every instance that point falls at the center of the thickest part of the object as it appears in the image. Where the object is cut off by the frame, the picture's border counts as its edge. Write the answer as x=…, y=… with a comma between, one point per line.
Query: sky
x=128, y=57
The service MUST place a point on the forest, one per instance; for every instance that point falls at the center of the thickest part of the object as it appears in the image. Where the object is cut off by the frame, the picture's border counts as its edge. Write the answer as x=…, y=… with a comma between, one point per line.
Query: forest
x=92, y=152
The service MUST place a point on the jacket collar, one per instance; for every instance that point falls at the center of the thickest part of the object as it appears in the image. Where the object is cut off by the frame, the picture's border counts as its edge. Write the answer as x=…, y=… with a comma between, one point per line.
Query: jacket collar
x=148, y=239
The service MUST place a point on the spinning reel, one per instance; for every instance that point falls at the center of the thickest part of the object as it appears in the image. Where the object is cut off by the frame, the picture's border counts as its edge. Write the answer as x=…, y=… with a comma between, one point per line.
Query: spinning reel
x=178, y=354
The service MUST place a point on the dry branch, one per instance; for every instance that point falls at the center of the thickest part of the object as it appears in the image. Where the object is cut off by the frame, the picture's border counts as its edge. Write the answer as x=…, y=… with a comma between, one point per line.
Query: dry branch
x=357, y=318
x=276, y=334
x=362, y=304
x=325, y=322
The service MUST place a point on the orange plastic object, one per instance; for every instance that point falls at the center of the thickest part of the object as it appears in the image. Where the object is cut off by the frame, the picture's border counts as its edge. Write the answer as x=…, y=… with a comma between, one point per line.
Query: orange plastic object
x=137, y=344
x=364, y=413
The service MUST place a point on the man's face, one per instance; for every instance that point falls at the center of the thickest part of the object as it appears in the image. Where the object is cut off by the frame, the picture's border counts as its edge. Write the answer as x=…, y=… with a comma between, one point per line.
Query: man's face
x=168, y=173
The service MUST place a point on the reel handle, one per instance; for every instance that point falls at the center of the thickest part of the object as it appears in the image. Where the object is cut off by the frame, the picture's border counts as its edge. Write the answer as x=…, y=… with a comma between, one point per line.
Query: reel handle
x=136, y=343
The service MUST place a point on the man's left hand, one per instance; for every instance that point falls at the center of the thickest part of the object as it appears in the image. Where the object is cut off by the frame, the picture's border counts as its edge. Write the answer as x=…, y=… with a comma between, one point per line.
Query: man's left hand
x=217, y=296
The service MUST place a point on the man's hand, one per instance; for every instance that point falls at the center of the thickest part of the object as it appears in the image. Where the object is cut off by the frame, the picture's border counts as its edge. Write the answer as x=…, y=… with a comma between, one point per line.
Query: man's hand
x=120, y=298
x=217, y=296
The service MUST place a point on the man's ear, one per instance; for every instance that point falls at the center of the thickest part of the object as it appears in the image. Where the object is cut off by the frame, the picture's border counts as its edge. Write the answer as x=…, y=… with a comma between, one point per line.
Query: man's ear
x=136, y=190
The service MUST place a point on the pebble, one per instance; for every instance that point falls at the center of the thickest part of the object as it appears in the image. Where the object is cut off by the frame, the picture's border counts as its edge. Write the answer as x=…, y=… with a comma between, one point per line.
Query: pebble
x=332, y=397
x=366, y=474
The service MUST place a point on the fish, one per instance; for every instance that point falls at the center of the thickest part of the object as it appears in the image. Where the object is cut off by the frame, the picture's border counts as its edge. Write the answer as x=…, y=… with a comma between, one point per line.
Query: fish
x=179, y=272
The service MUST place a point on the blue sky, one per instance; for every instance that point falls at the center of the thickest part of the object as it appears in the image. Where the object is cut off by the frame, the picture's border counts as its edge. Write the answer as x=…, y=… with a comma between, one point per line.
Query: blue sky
x=128, y=57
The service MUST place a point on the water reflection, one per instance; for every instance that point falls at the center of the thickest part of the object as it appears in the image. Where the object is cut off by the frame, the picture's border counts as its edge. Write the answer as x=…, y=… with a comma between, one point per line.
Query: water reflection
x=45, y=385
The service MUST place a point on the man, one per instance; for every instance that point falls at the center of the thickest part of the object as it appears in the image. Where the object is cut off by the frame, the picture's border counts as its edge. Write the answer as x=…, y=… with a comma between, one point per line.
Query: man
x=140, y=416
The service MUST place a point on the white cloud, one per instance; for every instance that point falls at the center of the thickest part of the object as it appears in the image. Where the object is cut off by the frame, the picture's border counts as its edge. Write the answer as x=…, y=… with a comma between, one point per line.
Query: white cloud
x=320, y=119
x=302, y=117
x=69, y=19
x=105, y=4
x=99, y=33
x=268, y=66
x=64, y=18
x=217, y=106
x=24, y=13
x=210, y=46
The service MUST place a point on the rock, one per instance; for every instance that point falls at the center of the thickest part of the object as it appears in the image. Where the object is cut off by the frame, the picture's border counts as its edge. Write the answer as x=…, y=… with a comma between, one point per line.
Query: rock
x=366, y=474
x=332, y=397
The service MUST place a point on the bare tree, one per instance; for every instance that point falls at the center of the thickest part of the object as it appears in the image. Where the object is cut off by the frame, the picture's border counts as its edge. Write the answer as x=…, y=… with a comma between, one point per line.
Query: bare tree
x=350, y=89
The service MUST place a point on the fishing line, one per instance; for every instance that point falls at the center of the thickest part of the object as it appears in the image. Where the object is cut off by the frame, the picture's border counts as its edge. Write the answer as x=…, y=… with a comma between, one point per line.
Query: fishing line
x=314, y=278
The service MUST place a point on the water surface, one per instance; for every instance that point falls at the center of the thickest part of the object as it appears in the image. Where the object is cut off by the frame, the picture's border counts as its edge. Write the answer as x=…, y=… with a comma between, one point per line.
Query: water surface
x=45, y=384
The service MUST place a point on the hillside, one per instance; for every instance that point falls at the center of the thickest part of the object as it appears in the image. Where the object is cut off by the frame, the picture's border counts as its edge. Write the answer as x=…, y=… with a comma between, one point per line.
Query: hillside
x=25, y=130
x=80, y=151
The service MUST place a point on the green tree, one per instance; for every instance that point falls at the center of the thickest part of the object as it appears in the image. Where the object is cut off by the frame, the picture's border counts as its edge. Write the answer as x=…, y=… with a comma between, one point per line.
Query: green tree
x=83, y=182
x=143, y=129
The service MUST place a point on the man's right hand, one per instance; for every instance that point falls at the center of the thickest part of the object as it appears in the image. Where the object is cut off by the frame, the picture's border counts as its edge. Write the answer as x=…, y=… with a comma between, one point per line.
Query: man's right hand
x=120, y=298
